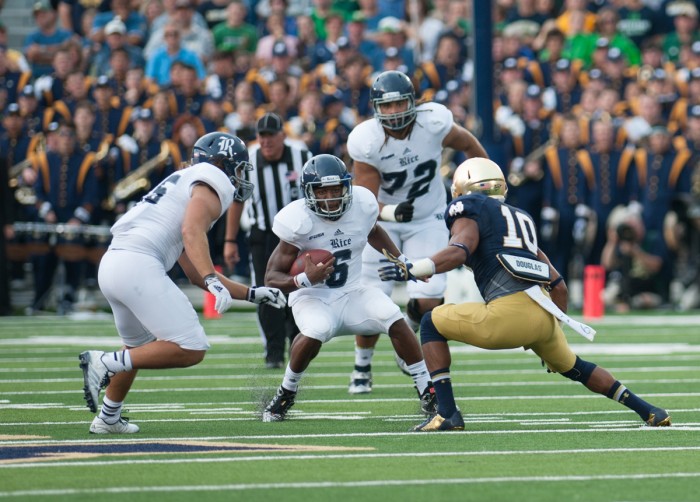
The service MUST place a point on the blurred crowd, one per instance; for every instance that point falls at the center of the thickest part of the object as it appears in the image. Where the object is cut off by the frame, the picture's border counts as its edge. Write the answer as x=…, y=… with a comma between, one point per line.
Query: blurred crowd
x=597, y=107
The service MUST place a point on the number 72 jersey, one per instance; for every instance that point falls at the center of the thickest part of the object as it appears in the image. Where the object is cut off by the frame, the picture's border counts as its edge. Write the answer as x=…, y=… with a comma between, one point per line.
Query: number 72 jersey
x=409, y=168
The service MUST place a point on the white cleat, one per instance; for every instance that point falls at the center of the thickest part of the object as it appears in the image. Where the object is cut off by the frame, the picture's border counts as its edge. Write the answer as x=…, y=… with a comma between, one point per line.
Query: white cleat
x=360, y=382
x=95, y=377
x=122, y=426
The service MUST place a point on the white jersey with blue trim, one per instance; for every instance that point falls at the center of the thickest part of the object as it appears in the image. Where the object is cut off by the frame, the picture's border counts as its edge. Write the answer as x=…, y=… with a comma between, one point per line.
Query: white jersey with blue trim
x=410, y=167
x=154, y=225
x=345, y=237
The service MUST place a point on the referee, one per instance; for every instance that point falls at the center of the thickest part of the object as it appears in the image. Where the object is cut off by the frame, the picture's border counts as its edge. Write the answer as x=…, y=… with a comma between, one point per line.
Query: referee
x=276, y=174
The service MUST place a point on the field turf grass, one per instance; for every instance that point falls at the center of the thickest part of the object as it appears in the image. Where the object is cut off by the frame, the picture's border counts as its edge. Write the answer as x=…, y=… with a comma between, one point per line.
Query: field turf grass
x=529, y=435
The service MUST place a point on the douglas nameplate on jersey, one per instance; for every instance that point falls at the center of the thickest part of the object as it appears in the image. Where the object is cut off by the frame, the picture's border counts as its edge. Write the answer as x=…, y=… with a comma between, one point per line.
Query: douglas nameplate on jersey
x=524, y=268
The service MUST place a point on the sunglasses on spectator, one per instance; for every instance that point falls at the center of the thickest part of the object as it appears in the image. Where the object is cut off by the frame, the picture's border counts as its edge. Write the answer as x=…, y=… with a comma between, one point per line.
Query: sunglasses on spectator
x=171, y=34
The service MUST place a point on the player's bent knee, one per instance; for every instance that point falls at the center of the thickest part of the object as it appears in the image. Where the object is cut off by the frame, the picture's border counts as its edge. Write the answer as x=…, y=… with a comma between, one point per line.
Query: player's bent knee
x=428, y=331
x=414, y=310
x=581, y=371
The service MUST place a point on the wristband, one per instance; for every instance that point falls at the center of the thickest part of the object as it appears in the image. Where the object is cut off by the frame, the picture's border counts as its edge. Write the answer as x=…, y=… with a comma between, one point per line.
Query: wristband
x=231, y=241
x=554, y=283
x=82, y=214
x=302, y=281
x=387, y=212
x=423, y=267
x=44, y=209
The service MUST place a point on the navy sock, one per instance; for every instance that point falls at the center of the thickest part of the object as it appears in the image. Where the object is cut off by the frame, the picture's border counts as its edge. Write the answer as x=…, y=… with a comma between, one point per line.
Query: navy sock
x=443, y=391
x=623, y=395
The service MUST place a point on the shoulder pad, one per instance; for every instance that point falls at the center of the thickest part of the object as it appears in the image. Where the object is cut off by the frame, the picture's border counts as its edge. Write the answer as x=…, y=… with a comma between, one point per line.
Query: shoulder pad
x=363, y=141
x=366, y=201
x=292, y=222
x=436, y=118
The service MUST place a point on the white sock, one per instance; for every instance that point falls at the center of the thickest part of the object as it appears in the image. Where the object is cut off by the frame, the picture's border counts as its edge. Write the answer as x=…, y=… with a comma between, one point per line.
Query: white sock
x=117, y=361
x=420, y=375
x=291, y=379
x=111, y=411
x=363, y=357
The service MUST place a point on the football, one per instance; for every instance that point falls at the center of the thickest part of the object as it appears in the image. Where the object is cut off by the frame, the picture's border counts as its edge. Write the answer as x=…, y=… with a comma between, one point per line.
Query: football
x=317, y=256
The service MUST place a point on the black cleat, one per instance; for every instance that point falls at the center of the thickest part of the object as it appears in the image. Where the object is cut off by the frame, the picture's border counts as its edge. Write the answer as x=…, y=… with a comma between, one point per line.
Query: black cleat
x=428, y=400
x=658, y=417
x=436, y=423
x=277, y=410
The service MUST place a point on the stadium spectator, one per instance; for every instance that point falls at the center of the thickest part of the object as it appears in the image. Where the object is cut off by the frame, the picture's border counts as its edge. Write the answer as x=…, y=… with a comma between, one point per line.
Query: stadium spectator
x=213, y=11
x=637, y=21
x=276, y=30
x=13, y=59
x=41, y=44
x=192, y=36
x=158, y=65
x=115, y=38
x=634, y=259
x=66, y=192
x=136, y=29
x=685, y=29
x=392, y=34
x=235, y=34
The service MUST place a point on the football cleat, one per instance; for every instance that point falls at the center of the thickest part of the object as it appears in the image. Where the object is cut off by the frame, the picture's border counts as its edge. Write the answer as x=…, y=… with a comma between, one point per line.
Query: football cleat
x=436, y=423
x=95, y=377
x=658, y=417
x=277, y=410
x=360, y=382
x=122, y=426
x=428, y=400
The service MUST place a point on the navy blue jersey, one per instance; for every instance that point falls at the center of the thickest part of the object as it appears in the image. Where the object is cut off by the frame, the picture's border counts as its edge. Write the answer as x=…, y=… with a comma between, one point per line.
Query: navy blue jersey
x=502, y=229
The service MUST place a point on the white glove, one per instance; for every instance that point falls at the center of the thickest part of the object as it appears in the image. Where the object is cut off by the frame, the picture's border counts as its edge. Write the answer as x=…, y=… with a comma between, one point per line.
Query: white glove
x=126, y=142
x=270, y=296
x=216, y=288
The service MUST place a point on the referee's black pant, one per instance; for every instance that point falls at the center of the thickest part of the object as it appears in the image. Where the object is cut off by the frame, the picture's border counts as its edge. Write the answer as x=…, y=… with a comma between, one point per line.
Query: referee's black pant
x=277, y=324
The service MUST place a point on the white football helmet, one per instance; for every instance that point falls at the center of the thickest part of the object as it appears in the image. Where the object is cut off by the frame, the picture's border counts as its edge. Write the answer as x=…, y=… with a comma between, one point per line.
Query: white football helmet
x=479, y=175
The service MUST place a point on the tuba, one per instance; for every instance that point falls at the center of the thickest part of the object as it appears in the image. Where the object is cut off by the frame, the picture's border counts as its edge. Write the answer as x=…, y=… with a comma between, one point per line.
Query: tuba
x=24, y=194
x=517, y=175
x=137, y=180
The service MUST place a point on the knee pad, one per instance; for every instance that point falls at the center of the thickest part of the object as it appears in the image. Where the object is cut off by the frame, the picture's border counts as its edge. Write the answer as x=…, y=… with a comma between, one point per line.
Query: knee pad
x=413, y=310
x=428, y=331
x=581, y=371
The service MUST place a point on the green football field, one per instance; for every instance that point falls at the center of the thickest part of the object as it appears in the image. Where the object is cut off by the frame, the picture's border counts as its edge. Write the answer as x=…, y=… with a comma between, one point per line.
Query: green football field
x=529, y=435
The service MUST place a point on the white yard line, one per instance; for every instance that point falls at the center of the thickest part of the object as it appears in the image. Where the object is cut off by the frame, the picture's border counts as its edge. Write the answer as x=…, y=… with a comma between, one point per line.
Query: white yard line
x=349, y=484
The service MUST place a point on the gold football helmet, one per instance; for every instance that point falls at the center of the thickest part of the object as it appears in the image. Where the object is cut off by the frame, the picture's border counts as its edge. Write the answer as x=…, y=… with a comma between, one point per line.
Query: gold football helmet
x=479, y=175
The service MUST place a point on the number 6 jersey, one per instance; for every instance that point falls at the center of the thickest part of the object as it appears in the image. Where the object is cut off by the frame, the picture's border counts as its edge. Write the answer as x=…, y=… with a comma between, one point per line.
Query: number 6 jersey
x=410, y=167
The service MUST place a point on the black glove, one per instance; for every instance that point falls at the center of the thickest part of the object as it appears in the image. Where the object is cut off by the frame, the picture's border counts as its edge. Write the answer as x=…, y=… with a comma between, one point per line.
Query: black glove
x=404, y=211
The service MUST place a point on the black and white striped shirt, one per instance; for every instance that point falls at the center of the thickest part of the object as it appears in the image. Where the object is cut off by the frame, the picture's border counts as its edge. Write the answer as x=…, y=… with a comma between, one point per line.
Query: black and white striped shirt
x=276, y=183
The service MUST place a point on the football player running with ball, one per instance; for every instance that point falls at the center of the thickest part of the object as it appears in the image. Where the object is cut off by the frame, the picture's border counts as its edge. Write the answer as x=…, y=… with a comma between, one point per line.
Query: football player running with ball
x=155, y=320
x=329, y=299
x=397, y=156
x=499, y=243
